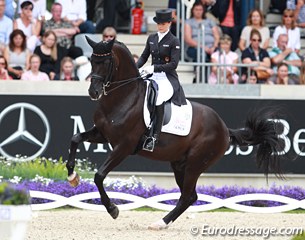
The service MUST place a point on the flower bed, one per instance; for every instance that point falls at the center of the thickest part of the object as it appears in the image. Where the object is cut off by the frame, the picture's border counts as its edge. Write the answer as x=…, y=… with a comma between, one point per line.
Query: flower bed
x=135, y=186
x=52, y=179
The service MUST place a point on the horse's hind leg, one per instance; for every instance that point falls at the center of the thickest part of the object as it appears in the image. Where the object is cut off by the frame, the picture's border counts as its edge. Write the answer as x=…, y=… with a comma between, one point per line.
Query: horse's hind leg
x=92, y=135
x=179, y=172
x=188, y=197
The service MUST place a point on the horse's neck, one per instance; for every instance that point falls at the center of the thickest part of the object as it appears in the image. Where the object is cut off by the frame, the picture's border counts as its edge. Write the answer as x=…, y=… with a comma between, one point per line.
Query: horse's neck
x=122, y=93
x=125, y=97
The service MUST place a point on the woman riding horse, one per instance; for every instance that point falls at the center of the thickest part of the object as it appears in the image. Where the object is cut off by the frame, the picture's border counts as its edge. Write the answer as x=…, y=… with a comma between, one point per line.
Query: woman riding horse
x=164, y=48
x=119, y=90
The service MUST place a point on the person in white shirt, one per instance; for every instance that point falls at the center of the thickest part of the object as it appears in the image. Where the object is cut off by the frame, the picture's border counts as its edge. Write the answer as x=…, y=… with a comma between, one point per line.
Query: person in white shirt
x=75, y=11
x=34, y=74
x=6, y=27
x=39, y=10
x=29, y=25
x=288, y=27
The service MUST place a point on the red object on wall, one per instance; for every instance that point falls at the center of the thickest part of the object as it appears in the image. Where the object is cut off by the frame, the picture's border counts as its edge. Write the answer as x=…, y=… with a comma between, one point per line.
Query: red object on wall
x=137, y=20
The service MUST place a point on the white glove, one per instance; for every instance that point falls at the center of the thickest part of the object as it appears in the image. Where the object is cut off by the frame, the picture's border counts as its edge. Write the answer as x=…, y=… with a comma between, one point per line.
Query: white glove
x=146, y=70
x=149, y=69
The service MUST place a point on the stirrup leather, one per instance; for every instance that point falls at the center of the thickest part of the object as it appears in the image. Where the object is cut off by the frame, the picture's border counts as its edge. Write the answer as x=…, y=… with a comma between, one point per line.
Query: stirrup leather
x=149, y=144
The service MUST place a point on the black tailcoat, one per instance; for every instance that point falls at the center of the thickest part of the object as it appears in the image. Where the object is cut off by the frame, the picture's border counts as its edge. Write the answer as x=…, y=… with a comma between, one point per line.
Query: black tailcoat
x=165, y=58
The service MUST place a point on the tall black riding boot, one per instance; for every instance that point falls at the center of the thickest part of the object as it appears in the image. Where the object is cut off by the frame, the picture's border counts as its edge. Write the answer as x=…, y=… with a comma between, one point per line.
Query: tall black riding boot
x=150, y=142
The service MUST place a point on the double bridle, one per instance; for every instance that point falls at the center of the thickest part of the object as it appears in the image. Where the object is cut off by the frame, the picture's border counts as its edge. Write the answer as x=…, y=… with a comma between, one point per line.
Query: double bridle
x=107, y=83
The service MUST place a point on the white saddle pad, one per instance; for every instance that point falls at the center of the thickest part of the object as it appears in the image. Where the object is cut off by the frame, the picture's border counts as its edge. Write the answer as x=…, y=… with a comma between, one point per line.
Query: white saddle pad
x=180, y=121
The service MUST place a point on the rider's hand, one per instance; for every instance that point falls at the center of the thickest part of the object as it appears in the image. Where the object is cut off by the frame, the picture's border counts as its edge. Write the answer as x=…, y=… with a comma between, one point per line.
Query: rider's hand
x=147, y=70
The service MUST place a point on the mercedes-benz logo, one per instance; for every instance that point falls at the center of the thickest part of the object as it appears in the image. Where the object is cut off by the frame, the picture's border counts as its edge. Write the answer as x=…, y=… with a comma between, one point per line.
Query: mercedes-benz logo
x=21, y=132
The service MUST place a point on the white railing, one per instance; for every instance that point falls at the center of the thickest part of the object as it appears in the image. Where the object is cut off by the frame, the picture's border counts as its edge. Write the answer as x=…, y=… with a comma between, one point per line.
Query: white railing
x=155, y=202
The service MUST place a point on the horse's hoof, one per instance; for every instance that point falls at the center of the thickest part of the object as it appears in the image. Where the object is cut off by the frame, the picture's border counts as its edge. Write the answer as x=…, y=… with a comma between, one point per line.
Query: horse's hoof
x=114, y=211
x=74, y=179
x=159, y=225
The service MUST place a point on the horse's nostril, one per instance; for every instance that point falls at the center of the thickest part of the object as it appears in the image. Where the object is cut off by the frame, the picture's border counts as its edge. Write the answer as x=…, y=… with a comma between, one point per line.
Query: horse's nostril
x=96, y=93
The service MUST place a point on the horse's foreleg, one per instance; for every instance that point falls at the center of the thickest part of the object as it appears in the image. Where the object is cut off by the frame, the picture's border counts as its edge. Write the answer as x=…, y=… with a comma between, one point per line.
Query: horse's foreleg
x=92, y=135
x=115, y=158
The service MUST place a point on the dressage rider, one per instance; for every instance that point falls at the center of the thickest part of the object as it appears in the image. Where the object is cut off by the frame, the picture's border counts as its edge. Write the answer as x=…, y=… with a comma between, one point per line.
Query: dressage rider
x=164, y=48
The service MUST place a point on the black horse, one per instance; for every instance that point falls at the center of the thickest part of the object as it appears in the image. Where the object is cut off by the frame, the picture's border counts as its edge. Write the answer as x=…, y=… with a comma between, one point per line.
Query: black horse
x=118, y=120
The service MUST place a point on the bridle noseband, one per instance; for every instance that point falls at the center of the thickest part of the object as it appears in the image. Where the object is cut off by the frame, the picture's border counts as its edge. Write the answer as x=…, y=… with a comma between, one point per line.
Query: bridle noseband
x=108, y=80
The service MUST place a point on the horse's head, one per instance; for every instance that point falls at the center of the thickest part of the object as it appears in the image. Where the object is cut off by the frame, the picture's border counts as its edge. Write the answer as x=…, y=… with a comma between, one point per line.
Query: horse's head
x=102, y=67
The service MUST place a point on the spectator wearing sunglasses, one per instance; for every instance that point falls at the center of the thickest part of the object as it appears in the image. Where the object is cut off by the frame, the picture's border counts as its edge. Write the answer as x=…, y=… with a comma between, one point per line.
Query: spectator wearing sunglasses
x=39, y=8
x=254, y=54
x=29, y=25
x=288, y=27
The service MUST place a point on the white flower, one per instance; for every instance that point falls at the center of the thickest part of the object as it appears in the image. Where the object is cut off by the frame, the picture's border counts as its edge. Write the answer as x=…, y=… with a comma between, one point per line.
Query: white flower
x=15, y=179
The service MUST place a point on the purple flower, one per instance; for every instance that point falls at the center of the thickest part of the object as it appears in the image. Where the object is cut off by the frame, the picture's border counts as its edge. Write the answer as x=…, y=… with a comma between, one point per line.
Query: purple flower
x=64, y=189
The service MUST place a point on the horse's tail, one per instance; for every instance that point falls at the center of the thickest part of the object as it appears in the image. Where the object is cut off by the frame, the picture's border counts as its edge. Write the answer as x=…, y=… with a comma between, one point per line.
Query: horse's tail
x=260, y=130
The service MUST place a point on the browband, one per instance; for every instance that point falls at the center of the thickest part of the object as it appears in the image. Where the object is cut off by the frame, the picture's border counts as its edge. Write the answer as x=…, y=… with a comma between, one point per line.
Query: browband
x=101, y=55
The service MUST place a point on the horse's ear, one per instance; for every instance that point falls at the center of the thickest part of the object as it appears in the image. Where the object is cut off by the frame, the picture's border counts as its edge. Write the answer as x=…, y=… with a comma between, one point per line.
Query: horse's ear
x=91, y=42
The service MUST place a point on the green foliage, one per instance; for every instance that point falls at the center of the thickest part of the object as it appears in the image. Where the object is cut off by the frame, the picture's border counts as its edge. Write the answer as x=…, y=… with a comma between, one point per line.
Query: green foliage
x=299, y=237
x=47, y=168
x=10, y=195
x=49, y=4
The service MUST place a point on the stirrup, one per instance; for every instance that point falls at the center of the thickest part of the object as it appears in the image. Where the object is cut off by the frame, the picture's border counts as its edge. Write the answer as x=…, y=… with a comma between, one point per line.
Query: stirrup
x=149, y=144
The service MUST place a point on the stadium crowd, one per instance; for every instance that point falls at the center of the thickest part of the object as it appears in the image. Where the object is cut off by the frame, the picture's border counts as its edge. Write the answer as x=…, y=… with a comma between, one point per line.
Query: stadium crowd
x=28, y=40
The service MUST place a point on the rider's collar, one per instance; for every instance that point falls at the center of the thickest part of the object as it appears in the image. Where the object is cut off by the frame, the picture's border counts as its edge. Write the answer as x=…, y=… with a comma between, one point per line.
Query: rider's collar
x=161, y=35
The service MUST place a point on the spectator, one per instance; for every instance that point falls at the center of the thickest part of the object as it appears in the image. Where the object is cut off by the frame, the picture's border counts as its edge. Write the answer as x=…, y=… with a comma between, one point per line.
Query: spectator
x=50, y=55
x=111, y=8
x=288, y=27
x=3, y=69
x=75, y=12
x=67, y=70
x=299, y=15
x=109, y=33
x=83, y=68
x=16, y=54
x=29, y=25
x=277, y=6
x=302, y=74
x=224, y=55
x=252, y=78
x=282, y=53
x=9, y=9
x=192, y=26
x=256, y=55
x=282, y=76
x=6, y=27
x=33, y=74
x=39, y=9
x=91, y=4
x=135, y=57
x=209, y=5
x=255, y=21
x=228, y=13
x=64, y=31
x=172, y=4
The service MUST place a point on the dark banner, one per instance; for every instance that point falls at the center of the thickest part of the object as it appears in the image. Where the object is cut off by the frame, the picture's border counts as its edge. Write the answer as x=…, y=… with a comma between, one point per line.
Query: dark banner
x=43, y=126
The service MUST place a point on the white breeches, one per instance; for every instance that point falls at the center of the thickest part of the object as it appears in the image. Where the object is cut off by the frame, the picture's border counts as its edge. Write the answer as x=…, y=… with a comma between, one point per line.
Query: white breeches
x=165, y=91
